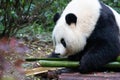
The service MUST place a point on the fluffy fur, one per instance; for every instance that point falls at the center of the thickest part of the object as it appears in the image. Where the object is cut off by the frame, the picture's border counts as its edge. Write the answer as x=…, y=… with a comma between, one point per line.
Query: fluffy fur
x=91, y=35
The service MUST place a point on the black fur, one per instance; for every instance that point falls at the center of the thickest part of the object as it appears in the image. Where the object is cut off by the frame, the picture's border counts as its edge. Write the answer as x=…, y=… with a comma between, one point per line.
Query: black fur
x=56, y=17
x=70, y=18
x=102, y=46
x=63, y=42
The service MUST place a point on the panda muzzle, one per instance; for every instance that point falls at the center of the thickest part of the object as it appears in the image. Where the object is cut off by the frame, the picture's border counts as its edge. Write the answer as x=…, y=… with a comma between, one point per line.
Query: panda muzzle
x=54, y=55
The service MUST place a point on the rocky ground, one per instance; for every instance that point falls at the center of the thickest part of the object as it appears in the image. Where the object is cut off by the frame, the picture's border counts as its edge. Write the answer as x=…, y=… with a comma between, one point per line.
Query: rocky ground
x=11, y=62
x=40, y=46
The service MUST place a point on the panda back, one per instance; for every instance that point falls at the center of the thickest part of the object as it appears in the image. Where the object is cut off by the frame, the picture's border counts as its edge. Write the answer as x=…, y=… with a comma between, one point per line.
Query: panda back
x=117, y=17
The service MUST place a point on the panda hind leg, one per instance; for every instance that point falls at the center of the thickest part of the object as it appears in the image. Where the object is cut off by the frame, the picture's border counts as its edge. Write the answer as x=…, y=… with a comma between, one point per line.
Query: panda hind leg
x=95, y=58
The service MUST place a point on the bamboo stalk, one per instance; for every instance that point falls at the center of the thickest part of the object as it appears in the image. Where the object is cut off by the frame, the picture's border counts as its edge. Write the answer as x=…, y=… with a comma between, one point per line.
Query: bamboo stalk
x=62, y=62
x=118, y=59
x=49, y=59
x=56, y=59
x=59, y=63
x=55, y=65
x=72, y=64
x=113, y=65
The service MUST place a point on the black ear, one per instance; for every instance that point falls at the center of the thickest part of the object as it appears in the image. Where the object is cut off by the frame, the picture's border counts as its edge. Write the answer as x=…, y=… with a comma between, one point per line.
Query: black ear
x=56, y=17
x=70, y=18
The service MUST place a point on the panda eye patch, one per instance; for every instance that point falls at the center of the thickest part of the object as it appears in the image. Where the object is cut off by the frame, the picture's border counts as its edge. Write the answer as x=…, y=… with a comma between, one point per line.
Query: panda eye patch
x=63, y=42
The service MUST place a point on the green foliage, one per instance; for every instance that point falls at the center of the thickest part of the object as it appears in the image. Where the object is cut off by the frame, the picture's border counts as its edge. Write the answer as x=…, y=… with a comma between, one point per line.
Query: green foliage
x=31, y=30
x=45, y=10
x=13, y=15
x=113, y=3
x=35, y=15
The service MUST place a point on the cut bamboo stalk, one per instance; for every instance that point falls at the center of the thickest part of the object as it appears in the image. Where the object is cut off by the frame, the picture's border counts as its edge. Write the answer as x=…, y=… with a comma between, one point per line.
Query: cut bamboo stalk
x=56, y=59
x=71, y=64
x=49, y=59
x=55, y=65
x=39, y=70
x=59, y=63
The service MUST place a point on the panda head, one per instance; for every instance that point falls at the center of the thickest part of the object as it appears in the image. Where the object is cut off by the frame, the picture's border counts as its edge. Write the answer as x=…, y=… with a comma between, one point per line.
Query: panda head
x=74, y=26
x=66, y=38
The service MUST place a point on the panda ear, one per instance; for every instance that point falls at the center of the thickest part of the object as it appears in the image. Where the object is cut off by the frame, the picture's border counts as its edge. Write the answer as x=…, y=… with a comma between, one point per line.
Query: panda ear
x=56, y=17
x=70, y=18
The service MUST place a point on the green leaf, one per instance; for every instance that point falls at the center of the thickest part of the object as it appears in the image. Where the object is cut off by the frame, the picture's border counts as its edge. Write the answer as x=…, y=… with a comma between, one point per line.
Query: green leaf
x=23, y=1
x=13, y=13
x=11, y=0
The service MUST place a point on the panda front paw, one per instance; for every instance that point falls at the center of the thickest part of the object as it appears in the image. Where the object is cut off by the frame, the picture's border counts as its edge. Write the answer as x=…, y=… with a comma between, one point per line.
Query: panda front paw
x=84, y=70
x=85, y=66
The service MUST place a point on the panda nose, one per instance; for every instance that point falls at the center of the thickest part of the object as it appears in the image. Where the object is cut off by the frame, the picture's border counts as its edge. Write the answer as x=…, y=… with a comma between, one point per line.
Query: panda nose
x=54, y=55
x=57, y=54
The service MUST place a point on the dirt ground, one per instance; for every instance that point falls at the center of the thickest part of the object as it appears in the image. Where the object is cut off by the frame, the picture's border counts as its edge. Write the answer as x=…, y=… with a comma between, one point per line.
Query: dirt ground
x=11, y=62
x=41, y=47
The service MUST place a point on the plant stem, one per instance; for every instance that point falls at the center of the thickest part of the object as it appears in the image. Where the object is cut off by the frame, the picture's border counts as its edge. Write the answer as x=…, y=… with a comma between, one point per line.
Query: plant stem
x=71, y=64
x=49, y=59
x=56, y=59
x=113, y=65
x=62, y=62
x=118, y=59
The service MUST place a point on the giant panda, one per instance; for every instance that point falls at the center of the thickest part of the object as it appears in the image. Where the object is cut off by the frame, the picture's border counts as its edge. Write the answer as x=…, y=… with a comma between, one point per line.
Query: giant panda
x=87, y=31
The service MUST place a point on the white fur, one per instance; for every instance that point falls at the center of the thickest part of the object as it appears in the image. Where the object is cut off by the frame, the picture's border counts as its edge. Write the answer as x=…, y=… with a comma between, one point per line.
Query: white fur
x=75, y=36
x=117, y=17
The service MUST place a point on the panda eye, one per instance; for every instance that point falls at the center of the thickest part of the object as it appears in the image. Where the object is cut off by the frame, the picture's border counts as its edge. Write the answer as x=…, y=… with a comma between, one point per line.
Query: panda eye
x=63, y=42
